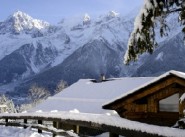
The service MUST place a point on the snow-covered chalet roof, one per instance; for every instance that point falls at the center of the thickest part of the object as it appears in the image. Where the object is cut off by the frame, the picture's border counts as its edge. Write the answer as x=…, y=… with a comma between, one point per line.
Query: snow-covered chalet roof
x=87, y=97
x=134, y=90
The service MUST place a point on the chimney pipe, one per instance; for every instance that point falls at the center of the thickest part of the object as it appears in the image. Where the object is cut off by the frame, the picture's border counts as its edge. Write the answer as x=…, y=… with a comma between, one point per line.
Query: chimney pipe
x=102, y=77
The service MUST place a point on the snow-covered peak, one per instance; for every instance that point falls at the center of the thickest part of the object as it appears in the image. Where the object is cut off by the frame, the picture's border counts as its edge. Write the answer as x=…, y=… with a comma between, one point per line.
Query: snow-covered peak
x=113, y=14
x=86, y=19
x=20, y=21
x=108, y=16
x=20, y=14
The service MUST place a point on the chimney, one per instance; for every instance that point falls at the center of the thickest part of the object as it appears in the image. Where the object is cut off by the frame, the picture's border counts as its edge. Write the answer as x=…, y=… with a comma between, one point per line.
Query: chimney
x=102, y=77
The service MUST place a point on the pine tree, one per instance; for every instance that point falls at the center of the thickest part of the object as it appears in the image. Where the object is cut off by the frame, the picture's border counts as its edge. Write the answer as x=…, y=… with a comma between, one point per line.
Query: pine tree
x=142, y=38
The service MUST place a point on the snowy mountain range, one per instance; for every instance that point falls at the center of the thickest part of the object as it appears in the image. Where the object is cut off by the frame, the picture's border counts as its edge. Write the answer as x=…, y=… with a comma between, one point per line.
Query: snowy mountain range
x=34, y=51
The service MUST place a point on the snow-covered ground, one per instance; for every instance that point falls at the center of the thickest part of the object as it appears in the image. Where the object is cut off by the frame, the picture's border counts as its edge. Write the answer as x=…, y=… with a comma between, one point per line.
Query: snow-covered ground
x=20, y=132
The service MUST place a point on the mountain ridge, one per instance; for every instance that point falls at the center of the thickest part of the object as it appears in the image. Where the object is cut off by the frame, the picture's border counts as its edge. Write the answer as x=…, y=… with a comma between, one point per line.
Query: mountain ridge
x=20, y=22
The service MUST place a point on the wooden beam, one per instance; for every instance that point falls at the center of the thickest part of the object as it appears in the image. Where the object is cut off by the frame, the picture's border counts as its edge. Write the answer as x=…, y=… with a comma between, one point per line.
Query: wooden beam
x=25, y=122
x=40, y=122
x=133, y=107
x=181, y=109
x=6, y=120
x=162, y=115
x=76, y=129
x=56, y=125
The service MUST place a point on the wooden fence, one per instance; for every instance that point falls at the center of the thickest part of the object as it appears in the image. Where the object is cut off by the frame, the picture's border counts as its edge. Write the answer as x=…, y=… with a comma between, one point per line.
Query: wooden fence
x=59, y=123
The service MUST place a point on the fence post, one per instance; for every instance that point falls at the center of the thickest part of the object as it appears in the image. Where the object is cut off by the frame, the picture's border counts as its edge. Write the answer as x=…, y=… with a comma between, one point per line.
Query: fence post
x=6, y=120
x=55, y=125
x=40, y=122
x=76, y=129
x=25, y=122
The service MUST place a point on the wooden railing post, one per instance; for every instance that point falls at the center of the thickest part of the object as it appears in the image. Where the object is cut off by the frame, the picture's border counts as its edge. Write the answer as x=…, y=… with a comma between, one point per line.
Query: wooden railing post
x=40, y=122
x=113, y=135
x=25, y=122
x=6, y=120
x=55, y=125
x=76, y=129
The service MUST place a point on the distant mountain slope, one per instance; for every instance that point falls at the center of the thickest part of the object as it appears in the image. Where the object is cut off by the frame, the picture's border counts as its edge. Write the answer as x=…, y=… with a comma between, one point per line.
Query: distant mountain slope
x=25, y=61
x=169, y=56
x=89, y=61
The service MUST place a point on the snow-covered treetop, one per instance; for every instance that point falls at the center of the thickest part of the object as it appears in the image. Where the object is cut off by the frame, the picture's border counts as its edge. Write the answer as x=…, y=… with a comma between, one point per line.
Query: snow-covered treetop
x=142, y=38
x=20, y=21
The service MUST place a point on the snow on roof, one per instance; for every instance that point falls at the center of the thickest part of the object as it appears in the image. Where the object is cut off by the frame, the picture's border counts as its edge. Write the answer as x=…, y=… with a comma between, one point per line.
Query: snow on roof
x=88, y=97
x=125, y=94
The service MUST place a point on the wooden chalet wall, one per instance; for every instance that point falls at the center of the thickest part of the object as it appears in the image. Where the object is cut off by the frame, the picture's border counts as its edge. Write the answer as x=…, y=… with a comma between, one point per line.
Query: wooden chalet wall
x=143, y=105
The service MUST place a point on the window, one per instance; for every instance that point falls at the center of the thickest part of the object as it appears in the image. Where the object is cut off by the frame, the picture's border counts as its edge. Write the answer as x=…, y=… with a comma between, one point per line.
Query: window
x=170, y=104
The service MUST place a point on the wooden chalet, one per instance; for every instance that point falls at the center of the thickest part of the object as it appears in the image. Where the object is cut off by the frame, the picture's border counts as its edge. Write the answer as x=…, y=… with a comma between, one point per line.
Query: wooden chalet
x=156, y=102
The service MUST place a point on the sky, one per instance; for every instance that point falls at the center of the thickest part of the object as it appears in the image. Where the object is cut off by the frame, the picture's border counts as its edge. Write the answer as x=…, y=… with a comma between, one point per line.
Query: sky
x=55, y=10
